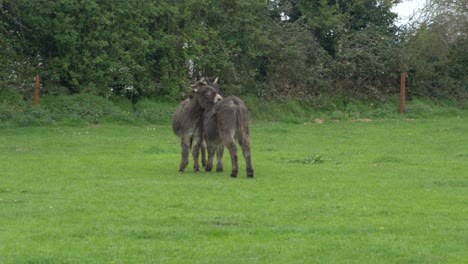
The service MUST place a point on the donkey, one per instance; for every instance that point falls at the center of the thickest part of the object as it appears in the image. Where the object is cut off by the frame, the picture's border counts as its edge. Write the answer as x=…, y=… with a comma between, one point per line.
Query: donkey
x=224, y=121
x=187, y=123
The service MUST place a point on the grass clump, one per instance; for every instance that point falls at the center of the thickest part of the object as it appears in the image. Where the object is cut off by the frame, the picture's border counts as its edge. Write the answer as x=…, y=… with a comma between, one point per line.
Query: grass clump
x=312, y=159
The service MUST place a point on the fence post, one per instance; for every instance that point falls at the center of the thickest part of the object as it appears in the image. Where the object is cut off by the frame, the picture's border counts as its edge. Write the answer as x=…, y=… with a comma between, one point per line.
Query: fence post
x=36, y=90
x=402, y=92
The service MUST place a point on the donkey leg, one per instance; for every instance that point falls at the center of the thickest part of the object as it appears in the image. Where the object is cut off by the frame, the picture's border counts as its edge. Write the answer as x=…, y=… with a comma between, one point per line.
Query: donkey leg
x=211, y=152
x=203, y=153
x=195, y=152
x=231, y=146
x=185, y=146
x=219, y=156
x=245, y=144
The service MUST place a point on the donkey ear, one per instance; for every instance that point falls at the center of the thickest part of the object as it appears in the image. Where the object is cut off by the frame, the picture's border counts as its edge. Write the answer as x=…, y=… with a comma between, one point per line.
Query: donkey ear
x=194, y=87
x=216, y=80
x=205, y=81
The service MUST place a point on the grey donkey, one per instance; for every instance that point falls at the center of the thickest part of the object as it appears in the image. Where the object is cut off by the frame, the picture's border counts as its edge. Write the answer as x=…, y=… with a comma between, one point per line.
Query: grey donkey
x=224, y=122
x=187, y=123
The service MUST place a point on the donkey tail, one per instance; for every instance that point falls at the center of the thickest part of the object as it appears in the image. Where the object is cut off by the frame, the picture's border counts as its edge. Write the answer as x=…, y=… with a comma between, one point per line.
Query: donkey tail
x=242, y=123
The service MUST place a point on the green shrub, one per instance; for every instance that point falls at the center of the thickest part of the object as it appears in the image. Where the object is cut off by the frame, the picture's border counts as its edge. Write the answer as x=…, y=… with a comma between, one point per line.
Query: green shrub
x=85, y=107
x=14, y=110
x=6, y=112
x=33, y=116
x=89, y=109
x=339, y=115
x=24, y=115
x=388, y=109
x=288, y=111
x=418, y=108
x=429, y=108
x=154, y=112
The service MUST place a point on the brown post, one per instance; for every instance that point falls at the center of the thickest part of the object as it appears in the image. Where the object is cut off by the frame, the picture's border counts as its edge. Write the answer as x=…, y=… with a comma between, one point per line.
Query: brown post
x=36, y=91
x=402, y=92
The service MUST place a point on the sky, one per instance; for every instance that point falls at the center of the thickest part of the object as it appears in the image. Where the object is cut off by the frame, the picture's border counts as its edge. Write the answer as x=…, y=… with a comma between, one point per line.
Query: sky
x=406, y=9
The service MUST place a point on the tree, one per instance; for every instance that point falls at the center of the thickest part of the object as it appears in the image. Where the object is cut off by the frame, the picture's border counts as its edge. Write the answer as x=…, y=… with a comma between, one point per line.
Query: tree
x=17, y=70
x=437, y=48
x=276, y=48
x=137, y=47
x=297, y=67
x=367, y=64
x=329, y=20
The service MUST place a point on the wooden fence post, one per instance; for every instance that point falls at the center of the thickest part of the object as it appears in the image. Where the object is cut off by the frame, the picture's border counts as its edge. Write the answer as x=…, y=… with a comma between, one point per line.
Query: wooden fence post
x=36, y=91
x=402, y=92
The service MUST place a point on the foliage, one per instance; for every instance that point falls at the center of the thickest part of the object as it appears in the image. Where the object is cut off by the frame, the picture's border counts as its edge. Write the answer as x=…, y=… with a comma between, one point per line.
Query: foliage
x=436, y=49
x=297, y=112
x=298, y=68
x=83, y=107
x=145, y=48
x=76, y=109
x=367, y=64
x=275, y=50
x=88, y=109
x=154, y=112
x=330, y=20
x=15, y=110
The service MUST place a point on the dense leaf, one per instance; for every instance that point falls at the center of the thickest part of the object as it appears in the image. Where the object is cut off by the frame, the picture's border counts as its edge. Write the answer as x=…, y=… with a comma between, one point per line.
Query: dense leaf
x=277, y=49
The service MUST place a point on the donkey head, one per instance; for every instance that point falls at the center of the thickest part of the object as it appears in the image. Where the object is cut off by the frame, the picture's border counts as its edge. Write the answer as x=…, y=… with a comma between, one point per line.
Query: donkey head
x=206, y=93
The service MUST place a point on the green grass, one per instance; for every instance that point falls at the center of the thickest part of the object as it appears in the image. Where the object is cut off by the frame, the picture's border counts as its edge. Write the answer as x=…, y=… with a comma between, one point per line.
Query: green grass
x=86, y=109
x=386, y=191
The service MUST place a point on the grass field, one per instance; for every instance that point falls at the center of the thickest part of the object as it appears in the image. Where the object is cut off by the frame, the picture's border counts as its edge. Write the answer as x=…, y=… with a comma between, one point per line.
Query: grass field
x=380, y=191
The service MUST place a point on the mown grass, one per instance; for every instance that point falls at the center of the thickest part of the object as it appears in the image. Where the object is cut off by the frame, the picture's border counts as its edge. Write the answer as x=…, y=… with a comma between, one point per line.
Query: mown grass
x=386, y=191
